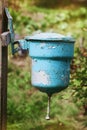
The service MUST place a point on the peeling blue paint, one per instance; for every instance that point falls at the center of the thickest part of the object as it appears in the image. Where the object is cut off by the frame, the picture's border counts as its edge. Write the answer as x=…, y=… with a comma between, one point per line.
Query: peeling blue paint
x=51, y=55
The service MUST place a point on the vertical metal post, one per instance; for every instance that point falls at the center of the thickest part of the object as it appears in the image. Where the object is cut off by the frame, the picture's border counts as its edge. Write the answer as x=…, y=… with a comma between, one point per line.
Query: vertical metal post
x=0, y=56
x=3, y=70
x=0, y=79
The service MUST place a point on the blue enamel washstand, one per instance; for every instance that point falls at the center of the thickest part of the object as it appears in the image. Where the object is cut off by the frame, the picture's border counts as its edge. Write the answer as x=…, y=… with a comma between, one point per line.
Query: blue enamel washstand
x=51, y=54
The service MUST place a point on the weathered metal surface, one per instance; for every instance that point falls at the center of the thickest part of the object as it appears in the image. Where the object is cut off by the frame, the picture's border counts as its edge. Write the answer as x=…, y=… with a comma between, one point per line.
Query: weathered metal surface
x=3, y=70
x=51, y=54
x=20, y=46
x=8, y=37
x=10, y=28
x=55, y=76
x=40, y=77
x=5, y=38
x=50, y=37
x=0, y=56
x=4, y=89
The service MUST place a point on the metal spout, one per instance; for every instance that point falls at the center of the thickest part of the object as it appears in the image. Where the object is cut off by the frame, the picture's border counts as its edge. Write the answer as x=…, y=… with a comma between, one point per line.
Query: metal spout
x=48, y=108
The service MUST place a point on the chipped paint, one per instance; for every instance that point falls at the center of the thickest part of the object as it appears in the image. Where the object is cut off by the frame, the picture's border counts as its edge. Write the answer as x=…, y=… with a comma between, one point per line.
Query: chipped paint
x=65, y=78
x=50, y=47
x=34, y=61
x=40, y=78
x=42, y=45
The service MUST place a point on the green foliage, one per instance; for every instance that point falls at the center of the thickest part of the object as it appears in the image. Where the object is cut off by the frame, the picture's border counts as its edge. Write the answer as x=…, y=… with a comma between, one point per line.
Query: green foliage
x=52, y=20
x=79, y=80
x=18, y=84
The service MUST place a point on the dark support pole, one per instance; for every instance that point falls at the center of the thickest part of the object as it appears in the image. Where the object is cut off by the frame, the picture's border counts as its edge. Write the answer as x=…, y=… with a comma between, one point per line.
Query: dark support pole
x=4, y=65
x=4, y=89
x=0, y=56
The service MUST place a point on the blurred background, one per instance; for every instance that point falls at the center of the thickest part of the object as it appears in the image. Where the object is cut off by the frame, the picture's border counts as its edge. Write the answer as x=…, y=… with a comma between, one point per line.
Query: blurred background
x=26, y=105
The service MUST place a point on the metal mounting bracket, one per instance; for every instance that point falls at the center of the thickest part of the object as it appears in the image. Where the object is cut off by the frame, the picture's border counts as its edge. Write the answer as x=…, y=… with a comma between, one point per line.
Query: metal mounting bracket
x=8, y=37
